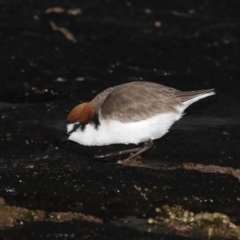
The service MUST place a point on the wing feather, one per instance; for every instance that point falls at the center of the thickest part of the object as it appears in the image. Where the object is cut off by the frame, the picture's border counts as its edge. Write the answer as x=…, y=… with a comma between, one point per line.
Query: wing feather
x=137, y=101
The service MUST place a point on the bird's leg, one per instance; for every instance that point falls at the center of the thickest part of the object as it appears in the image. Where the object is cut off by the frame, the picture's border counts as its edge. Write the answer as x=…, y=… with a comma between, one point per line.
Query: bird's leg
x=145, y=147
x=118, y=153
x=136, y=151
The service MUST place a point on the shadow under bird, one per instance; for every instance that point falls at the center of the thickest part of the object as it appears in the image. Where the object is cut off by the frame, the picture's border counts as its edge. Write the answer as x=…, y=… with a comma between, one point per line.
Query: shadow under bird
x=130, y=113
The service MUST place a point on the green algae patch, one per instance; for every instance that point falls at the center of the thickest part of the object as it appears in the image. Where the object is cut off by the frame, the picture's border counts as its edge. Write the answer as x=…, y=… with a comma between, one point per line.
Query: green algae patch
x=12, y=215
x=187, y=223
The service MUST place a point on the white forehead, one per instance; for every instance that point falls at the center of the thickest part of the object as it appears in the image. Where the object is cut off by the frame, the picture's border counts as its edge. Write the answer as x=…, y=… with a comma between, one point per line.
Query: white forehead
x=70, y=127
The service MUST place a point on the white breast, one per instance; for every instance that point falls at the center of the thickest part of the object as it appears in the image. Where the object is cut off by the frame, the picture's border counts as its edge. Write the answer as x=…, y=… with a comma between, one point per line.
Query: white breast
x=116, y=132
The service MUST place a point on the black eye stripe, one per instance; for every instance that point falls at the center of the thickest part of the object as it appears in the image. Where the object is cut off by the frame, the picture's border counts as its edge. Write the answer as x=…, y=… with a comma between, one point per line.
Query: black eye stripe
x=95, y=122
x=75, y=127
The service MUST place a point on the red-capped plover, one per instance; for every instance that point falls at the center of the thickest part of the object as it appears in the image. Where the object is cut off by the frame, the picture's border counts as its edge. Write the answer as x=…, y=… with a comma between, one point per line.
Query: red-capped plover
x=133, y=113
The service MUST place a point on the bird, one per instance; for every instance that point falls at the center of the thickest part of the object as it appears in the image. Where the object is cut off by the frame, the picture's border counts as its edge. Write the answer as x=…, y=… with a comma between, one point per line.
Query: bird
x=130, y=113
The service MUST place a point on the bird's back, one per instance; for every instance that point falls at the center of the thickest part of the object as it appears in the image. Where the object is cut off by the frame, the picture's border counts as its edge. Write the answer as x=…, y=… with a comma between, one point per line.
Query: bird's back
x=139, y=100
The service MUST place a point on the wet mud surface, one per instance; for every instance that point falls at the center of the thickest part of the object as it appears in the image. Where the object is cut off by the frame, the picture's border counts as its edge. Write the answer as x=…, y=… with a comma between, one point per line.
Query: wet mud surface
x=57, y=54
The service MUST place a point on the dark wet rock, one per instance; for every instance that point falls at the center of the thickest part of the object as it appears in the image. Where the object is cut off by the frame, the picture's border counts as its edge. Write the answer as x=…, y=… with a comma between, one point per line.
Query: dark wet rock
x=44, y=74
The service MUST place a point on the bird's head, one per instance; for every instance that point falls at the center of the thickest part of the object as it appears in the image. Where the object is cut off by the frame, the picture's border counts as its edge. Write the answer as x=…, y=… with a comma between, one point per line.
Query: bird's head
x=81, y=115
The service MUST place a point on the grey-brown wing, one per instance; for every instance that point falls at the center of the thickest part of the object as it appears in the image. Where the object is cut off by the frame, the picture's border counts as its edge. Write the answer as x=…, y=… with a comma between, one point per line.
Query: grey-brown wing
x=138, y=101
x=100, y=98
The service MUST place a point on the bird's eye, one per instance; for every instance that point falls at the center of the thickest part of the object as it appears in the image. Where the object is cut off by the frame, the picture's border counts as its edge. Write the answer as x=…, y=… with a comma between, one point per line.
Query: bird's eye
x=75, y=127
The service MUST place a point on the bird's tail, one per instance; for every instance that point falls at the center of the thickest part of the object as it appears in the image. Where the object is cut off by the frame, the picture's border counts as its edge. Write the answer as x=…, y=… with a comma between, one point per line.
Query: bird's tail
x=190, y=97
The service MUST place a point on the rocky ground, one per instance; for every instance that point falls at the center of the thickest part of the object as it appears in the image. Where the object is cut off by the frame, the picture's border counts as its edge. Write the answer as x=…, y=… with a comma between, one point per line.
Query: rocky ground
x=56, y=54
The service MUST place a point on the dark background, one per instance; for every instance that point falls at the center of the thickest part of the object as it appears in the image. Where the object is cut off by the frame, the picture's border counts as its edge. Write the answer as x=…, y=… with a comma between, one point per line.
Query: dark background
x=44, y=75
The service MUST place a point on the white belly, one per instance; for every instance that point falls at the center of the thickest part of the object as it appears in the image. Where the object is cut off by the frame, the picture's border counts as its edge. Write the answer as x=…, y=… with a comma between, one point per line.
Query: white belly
x=115, y=132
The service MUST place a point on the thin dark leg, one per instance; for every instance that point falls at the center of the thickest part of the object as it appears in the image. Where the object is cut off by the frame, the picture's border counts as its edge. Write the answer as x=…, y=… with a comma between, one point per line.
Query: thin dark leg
x=145, y=147
x=136, y=151
x=114, y=154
